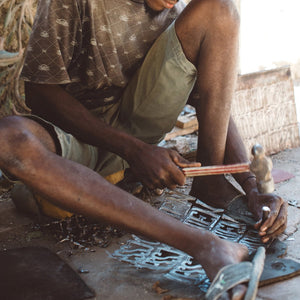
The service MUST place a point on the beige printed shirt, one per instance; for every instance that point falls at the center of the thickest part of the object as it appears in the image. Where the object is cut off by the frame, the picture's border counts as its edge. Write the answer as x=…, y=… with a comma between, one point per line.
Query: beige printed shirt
x=92, y=47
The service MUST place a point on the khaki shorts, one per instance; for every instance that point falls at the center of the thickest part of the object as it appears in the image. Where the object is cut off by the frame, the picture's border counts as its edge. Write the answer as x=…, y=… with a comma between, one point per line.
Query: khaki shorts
x=149, y=106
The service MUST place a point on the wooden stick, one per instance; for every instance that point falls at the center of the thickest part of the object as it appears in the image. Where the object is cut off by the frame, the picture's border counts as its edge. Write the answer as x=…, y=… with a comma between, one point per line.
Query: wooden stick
x=216, y=170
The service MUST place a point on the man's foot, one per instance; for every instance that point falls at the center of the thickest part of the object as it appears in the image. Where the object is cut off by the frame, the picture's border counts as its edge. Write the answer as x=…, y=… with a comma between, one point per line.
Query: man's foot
x=216, y=191
x=24, y=200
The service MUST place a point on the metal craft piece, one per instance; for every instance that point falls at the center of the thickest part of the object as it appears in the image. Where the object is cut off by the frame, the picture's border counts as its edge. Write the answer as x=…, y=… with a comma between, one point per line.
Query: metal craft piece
x=189, y=271
x=175, y=264
x=176, y=208
x=230, y=230
x=199, y=217
x=135, y=251
x=149, y=255
x=251, y=240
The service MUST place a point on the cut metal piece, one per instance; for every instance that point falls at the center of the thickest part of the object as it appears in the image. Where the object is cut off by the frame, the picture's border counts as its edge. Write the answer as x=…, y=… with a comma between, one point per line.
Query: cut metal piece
x=229, y=230
x=201, y=218
x=175, y=264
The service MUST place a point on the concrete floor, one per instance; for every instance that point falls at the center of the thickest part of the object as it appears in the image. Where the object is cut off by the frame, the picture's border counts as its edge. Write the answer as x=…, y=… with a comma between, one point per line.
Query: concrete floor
x=115, y=280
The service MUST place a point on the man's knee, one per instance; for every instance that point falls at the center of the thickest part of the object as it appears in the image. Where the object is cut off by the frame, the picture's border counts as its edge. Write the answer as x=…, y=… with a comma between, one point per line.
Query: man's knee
x=13, y=134
x=12, y=138
x=12, y=130
x=22, y=131
x=19, y=135
x=210, y=13
x=207, y=22
x=227, y=13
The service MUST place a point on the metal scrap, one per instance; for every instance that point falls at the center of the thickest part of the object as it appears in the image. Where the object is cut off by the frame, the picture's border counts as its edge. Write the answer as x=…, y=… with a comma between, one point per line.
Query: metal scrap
x=80, y=233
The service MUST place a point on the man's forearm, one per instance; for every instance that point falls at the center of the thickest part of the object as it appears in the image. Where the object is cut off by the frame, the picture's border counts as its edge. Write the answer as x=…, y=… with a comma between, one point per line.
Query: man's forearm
x=52, y=103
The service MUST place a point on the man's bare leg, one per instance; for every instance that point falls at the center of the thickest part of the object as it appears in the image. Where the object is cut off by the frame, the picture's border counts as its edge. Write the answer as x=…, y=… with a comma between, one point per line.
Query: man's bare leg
x=208, y=31
x=28, y=153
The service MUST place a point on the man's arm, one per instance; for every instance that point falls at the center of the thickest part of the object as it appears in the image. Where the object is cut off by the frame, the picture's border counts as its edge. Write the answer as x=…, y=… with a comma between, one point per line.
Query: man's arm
x=54, y=104
x=154, y=166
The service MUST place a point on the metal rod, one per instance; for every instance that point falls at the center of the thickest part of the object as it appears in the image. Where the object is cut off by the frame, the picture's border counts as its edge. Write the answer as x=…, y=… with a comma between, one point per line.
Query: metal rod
x=266, y=212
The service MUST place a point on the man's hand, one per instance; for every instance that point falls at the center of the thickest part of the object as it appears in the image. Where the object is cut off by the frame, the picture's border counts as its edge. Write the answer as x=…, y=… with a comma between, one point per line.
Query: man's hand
x=158, y=167
x=276, y=223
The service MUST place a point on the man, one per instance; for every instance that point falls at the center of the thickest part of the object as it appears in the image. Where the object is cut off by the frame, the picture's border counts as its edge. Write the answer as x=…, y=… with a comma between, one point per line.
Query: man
x=109, y=105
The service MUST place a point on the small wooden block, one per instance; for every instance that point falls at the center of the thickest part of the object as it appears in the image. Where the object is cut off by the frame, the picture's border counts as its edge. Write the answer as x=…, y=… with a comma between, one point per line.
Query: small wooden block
x=176, y=131
x=186, y=121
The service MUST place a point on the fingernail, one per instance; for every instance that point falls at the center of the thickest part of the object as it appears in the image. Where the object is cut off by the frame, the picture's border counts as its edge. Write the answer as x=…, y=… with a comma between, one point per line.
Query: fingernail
x=264, y=229
x=265, y=240
x=158, y=191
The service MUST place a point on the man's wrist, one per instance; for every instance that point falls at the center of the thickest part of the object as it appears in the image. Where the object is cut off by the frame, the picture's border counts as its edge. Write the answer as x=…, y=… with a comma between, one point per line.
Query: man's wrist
x=248, y=184
x=133, y=149
x=247, y=178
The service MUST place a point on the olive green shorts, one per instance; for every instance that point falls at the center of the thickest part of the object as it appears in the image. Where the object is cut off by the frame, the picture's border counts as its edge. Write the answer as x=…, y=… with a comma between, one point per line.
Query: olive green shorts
x=149, y=106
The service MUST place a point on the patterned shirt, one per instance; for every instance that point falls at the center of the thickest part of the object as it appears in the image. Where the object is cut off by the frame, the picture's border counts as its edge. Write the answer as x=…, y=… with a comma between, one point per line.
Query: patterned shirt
x=92, y=47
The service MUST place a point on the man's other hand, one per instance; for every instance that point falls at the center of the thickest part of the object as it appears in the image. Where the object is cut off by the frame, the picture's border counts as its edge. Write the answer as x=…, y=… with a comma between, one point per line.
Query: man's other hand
x=276, y=222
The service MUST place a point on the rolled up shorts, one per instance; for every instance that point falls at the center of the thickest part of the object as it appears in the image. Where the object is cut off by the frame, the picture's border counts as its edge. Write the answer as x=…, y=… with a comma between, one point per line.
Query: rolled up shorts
x=148, y=108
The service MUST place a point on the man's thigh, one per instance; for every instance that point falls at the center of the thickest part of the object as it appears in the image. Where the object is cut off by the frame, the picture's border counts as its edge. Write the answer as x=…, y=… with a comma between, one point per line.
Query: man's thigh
x=158, y=91
x=68, y=146
x=50, y=136
x=154, y=97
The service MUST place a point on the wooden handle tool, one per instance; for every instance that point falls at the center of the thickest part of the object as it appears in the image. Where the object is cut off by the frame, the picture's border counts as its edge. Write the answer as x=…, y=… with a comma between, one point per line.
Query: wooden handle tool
x=216, y=170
